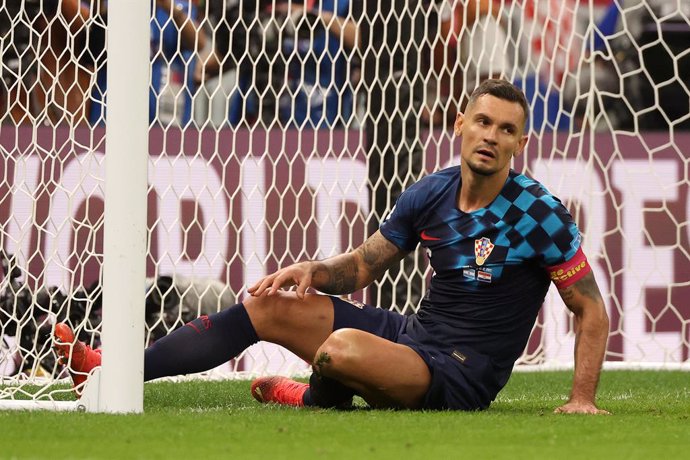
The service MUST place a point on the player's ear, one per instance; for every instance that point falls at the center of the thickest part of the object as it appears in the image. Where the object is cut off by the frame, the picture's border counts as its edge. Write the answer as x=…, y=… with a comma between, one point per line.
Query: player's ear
x=521, y=146
x=457, y=126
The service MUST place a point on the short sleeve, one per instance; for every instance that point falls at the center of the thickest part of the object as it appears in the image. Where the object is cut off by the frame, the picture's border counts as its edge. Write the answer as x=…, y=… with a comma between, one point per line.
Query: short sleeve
x=563, y=232
x=398, y=227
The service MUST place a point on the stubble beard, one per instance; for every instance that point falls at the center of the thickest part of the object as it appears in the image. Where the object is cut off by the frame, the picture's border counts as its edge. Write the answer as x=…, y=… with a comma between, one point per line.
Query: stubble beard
x=481, y=171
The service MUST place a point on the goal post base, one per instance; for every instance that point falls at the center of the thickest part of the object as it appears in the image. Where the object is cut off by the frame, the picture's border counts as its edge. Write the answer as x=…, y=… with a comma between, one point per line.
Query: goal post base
x=89, y=400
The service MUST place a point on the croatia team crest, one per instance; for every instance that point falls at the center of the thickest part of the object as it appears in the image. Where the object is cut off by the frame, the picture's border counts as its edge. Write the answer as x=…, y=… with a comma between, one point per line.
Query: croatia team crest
x=482, y=250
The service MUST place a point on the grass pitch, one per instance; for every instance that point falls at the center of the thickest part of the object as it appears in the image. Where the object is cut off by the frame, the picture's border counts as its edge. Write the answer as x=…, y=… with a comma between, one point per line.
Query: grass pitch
x=651, y=419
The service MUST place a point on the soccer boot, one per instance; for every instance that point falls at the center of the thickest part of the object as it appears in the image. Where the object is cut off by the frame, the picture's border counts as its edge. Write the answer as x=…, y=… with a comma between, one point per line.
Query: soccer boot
x=279, y=390
x=79, y=357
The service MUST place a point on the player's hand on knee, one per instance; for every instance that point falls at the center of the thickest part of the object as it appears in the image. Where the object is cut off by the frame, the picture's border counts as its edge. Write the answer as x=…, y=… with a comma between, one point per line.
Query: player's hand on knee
x=580, y=407
x=299, y=275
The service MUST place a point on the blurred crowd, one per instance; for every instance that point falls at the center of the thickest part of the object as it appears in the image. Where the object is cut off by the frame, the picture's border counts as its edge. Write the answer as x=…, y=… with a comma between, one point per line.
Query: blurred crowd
x=303, y=63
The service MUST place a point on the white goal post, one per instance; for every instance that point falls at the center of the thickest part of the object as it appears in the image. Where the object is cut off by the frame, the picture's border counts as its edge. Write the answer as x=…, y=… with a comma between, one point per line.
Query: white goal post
x=244, y=135
x=121, y=383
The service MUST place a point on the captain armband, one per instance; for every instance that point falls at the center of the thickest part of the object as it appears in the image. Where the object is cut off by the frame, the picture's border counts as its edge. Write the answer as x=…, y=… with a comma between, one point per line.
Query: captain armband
x=570, y=272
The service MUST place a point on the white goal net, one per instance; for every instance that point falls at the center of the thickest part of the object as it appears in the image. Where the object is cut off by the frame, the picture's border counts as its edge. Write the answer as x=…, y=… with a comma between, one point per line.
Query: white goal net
x=284, y=130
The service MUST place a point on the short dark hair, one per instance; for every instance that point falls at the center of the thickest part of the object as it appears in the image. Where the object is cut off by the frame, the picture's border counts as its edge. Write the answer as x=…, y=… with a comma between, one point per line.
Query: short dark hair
x=502, y=89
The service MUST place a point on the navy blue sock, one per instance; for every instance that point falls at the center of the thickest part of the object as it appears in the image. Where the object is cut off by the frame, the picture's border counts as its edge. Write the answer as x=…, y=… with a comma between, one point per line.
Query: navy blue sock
x=327, y=392
x=200, y=345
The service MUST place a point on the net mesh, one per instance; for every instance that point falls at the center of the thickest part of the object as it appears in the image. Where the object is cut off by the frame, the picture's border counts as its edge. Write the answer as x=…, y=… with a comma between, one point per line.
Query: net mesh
x=282, y=131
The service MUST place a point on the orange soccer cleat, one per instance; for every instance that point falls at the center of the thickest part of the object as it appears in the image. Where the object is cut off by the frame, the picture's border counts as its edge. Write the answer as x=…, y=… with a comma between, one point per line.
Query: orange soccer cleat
x=80, y=358
x=279, y=390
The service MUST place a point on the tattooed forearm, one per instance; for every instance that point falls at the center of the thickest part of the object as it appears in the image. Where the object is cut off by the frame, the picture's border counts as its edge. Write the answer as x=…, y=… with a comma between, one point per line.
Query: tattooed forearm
x=346, y=273
x=343, y=279
x=337, y=275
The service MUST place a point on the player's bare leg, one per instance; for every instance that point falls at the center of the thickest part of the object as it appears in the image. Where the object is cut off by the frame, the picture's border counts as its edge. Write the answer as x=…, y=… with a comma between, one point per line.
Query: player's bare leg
x=384, y=373
x=300, y=325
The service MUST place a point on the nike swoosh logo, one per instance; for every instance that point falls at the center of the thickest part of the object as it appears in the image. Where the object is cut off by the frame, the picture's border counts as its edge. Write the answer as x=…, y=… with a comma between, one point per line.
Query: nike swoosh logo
x=426, y=237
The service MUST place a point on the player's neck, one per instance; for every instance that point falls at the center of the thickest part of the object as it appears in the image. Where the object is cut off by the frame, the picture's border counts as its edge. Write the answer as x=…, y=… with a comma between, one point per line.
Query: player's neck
x=477, y=191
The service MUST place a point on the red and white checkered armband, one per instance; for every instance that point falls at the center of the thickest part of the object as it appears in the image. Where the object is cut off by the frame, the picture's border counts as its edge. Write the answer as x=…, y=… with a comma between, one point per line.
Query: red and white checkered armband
x=570, y=272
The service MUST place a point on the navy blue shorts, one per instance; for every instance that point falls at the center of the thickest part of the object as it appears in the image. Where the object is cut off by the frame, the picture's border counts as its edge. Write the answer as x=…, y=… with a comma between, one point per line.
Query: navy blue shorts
x=461, y=379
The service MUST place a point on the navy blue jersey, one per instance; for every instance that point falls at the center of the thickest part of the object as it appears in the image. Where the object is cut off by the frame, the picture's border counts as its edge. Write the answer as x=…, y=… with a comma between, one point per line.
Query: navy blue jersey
x=490, y=276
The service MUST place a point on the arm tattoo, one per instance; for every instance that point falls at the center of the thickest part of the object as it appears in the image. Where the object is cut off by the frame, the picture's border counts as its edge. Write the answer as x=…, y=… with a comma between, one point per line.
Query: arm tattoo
x=342, y=277
x=346, y=273
x=587, y=287
x=377, y=254
x=567, y=294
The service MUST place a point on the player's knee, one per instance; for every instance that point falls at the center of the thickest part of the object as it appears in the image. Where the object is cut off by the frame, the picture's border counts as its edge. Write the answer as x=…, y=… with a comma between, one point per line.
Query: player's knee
x=271, y=314
x=337, y=353
x=265, y=308
x=261, y=313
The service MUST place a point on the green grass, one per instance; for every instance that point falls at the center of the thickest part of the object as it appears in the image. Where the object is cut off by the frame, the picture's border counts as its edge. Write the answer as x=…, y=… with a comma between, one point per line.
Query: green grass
x=221, y=420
